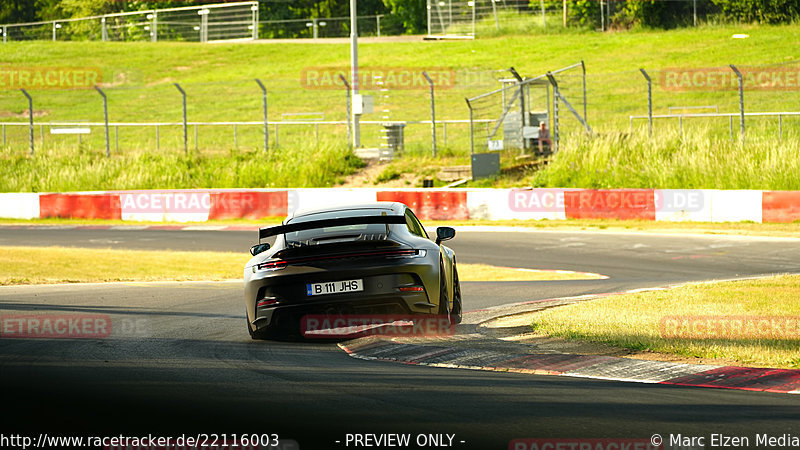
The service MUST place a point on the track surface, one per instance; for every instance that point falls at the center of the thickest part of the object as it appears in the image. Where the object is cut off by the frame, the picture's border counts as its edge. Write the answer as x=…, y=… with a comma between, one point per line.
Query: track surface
x=192, y=367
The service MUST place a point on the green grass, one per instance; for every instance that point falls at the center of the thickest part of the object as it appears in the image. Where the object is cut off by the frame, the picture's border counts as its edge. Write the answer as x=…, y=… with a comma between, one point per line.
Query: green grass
x=296, y=166
x=620, y=160
x=39, y=265
x=218, y=80
x=633, y=321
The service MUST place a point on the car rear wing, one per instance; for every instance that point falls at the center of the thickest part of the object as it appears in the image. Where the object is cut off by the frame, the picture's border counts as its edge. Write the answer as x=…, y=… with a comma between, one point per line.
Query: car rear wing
x=325, y=223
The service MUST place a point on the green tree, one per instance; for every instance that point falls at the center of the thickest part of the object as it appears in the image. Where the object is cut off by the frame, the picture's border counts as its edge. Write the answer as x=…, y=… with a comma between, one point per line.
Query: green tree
x=763, y=11
x=18, y=11
x=411, y=15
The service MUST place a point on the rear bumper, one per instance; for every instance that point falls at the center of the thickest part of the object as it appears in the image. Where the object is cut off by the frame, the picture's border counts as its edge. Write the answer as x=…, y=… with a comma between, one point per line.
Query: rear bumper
x=286, y=300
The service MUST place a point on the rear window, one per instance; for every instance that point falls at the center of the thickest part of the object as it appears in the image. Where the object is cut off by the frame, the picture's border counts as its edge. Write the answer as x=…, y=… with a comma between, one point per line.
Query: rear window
x=329, y=235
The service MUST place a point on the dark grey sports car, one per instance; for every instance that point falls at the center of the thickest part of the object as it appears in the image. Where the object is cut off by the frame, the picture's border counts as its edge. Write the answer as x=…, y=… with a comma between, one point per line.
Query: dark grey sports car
x=363, y=259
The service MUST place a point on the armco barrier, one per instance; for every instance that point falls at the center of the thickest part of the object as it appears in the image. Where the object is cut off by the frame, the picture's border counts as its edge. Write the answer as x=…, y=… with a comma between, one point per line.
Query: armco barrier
x=247, y=205
x=624, y=204
x=430, y=204
x=780, y=206
x=83, y=206
x=183, y=205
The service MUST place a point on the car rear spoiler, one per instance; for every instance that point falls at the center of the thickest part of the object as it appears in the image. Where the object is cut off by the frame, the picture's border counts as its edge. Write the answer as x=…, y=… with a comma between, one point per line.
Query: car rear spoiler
x=337, y=222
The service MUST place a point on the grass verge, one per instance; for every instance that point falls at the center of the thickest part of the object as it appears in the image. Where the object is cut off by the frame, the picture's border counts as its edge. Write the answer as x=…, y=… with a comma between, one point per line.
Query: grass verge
x=634, y=321
x=669, y=161
x=304, y=165
x=41, y=265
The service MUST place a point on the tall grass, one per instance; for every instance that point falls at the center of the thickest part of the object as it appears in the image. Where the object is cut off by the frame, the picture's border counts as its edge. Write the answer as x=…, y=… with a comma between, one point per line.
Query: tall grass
x=669, y=161
x=304, y=165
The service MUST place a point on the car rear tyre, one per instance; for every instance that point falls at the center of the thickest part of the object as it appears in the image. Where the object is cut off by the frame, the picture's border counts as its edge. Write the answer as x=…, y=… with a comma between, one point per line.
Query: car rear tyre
x=457, y=312
x=444, y=300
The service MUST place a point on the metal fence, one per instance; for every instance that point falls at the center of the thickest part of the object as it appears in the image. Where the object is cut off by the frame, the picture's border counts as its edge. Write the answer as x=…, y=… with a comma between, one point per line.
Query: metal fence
x=473, y=18
x=505, y=106
x=526, y=112
x=213, y=22
x=204, y=23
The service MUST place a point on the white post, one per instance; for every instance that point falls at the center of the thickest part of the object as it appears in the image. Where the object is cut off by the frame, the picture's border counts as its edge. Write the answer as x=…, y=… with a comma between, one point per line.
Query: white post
x=254, y=8
x=354, y=71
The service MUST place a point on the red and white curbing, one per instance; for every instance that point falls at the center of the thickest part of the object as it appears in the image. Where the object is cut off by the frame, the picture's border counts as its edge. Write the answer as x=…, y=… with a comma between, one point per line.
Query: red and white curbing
x=377, y=348
x=199, y=205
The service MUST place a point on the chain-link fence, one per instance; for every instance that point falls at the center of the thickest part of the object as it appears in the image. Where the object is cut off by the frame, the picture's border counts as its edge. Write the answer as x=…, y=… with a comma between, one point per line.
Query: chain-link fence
x=508, y=108
x=529, y=113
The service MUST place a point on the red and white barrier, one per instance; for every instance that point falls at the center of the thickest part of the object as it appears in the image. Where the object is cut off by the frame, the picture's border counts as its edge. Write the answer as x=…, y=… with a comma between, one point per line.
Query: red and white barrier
x=198, y=205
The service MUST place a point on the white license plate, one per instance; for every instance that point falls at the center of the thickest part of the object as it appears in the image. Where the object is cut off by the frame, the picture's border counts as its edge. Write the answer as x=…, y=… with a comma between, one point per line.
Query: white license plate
x=334, y=287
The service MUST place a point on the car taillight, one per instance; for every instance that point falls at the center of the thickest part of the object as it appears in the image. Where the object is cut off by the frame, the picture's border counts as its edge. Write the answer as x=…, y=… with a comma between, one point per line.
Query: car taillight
x=267, y=302
x=411, y=289
x=272, y=265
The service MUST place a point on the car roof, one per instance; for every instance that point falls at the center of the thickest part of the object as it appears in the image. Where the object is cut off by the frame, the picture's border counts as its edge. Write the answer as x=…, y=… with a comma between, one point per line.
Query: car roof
x=395, y=207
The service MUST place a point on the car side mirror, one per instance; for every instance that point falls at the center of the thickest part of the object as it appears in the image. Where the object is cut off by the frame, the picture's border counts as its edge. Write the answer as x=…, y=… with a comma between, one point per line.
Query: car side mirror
x=444, y=234
x=259, y=248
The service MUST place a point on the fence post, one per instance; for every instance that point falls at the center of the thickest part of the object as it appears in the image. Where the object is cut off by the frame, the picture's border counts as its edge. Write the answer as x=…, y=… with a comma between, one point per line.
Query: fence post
x=154, y=27
x=185, y=131
x=544, y=16
x=602, y=18
x=264, y=106
x=471, y=130
x=103, y=29
x=741, y=98
x=585, y=99
x=203, y=24
x=556, y=95
x=649, y=100
x=349, y=117
x=522, y=115
x=378, y=24
x=56, y=26
x=433, y=113
x=30, y=115
x=494, y=10
x=428, y=8
x=105, y=118
x=254, y=8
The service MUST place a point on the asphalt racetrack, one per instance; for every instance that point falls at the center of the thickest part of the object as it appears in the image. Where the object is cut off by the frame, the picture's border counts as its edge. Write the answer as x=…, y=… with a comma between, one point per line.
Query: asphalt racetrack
x=185, y=363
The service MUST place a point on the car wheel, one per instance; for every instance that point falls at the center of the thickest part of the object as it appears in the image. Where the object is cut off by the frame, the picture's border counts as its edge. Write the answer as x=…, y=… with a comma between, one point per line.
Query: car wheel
x=457, y=313
x=444, y=300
